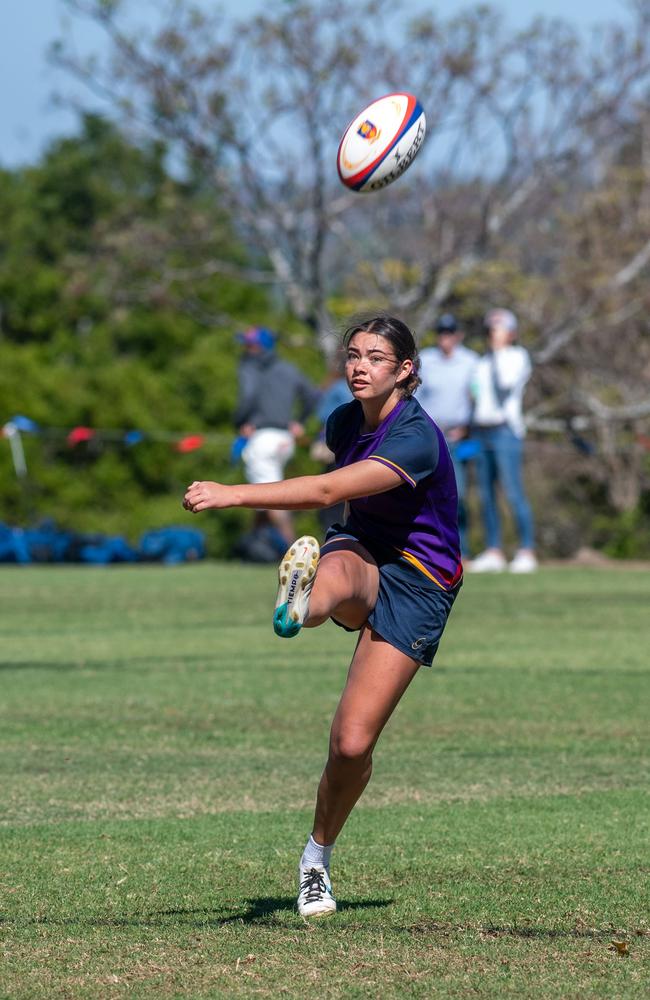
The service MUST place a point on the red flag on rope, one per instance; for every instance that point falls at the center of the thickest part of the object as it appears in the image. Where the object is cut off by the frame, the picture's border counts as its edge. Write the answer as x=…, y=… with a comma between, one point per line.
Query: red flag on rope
x=190, y=443
x=79, y=434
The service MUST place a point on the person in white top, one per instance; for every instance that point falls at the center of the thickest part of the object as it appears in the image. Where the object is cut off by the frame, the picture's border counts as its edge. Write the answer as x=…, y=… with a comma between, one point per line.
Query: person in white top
x=499, y=381
x=446, y=372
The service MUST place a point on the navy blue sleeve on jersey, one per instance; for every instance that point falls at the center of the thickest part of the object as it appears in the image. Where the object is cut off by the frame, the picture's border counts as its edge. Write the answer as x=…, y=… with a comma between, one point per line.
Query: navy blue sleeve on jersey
x=411, y=447
x=336, y=426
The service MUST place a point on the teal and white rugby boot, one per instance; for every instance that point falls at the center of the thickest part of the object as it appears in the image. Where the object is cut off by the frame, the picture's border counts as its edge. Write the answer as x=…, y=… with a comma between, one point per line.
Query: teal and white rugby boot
x=296, y=577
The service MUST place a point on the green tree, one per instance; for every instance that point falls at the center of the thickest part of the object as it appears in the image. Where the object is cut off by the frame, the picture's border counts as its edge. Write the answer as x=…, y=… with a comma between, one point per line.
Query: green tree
x=109, y=321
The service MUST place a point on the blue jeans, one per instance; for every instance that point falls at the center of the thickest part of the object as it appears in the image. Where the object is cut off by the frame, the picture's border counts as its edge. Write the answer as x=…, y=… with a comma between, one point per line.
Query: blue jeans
x=462, y=454
x=500, y=462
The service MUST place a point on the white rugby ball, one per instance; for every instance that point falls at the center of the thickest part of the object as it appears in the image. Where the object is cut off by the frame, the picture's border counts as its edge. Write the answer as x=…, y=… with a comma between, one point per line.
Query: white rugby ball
x=381, y=142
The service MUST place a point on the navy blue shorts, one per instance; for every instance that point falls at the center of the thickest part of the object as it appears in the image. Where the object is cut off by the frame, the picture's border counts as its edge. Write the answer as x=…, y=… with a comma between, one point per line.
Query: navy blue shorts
x=411, y=612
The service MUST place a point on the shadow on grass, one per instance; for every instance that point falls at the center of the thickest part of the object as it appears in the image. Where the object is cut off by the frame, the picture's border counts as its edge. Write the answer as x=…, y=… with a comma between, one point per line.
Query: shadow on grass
x=263, y=907
x=260, y=910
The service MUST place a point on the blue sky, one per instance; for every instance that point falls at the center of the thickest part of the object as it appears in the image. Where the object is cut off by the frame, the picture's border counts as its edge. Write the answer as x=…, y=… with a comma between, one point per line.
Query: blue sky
x=28, y=119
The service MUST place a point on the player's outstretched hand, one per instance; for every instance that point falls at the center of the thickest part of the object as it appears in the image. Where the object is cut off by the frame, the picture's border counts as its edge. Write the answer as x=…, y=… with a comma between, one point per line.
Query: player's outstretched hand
x=204, y=495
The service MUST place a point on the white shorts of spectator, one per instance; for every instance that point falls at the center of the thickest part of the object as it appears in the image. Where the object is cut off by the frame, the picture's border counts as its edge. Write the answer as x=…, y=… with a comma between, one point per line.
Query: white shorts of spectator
x=266, y=455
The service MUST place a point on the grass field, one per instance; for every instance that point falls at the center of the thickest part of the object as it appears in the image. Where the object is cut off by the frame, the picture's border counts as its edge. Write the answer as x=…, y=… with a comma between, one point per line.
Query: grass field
x=160, y=753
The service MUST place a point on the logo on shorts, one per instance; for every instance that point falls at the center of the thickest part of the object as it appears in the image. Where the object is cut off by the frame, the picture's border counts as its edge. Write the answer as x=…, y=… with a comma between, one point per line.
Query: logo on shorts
x=420, y=642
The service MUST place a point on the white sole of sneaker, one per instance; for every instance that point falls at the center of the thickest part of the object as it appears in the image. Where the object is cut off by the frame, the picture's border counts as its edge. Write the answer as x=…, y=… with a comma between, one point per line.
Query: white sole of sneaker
x=318, y=915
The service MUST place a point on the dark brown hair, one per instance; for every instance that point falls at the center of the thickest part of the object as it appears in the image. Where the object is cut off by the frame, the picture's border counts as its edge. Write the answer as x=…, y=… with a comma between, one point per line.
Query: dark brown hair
x=401, y=340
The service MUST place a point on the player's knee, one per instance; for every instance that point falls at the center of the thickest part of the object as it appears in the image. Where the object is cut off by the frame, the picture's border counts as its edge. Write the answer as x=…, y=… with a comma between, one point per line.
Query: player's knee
x=344, y=575
x=336, y=567
x=351, y=747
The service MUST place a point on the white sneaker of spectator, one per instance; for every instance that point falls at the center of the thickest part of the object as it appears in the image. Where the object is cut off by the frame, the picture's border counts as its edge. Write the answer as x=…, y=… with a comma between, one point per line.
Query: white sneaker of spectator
x=490, y=561
x=523, y=562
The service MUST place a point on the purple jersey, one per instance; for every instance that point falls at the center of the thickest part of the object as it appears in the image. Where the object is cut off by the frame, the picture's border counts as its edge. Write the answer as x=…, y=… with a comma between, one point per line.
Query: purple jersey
x=419, y=519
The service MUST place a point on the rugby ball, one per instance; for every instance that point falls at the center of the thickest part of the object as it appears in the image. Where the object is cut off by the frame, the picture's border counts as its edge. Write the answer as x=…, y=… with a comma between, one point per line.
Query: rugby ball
x=381, y=142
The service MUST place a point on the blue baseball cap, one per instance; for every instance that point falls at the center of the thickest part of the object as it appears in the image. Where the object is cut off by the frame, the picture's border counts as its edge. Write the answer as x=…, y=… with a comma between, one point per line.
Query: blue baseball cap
x=257, y=336
x=447, y=324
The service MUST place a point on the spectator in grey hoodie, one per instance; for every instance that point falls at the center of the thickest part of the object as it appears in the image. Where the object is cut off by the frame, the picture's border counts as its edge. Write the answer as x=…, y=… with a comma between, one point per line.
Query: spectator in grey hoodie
x=274, y=400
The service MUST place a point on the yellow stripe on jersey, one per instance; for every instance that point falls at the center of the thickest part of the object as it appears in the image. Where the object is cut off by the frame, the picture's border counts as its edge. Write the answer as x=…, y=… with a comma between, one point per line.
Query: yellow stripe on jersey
x=418, y=565
x=380, y=458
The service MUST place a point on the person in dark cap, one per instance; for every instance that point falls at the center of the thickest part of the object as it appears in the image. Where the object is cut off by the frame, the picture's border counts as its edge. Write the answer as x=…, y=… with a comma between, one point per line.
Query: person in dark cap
x=274, y=400
x=446, y=374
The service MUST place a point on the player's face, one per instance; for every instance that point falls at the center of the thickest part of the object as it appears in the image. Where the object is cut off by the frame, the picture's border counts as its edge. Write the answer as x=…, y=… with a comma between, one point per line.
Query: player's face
x=371, y=367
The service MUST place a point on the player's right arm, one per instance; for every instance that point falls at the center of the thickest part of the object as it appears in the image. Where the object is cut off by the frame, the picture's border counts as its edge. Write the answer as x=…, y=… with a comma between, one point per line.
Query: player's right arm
x=360, y=479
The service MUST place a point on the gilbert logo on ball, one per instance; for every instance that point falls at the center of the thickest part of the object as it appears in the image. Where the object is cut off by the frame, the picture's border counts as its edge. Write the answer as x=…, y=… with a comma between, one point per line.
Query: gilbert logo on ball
x=381, y=142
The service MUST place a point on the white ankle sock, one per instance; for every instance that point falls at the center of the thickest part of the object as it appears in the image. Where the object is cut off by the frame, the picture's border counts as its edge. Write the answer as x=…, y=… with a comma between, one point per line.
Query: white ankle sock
x=316, y=854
